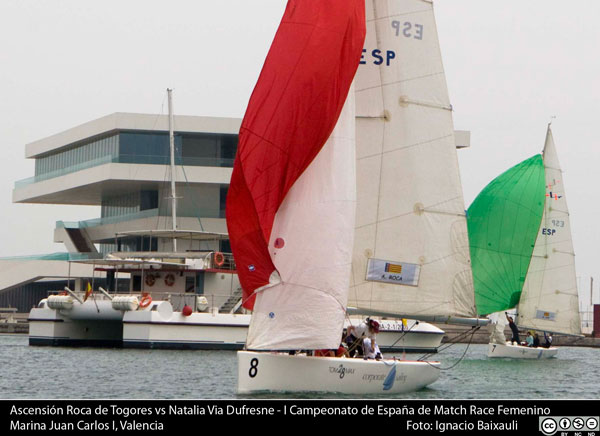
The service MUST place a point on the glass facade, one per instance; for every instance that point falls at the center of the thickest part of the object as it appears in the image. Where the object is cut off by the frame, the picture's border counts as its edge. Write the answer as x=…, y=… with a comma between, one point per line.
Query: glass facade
x=133, y=243
x=196, y=149
x=123, y=204
x=147, y=148
x=129, y=203
x=77, y=155
x=223, y=200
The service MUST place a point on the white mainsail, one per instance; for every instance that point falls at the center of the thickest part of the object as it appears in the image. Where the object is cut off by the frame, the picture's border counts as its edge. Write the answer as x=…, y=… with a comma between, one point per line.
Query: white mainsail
x=315, y=222
x=549, y=300
x=411, y=251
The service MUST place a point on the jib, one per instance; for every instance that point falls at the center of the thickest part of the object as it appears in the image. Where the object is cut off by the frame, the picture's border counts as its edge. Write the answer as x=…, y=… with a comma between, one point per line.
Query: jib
x=378, y=56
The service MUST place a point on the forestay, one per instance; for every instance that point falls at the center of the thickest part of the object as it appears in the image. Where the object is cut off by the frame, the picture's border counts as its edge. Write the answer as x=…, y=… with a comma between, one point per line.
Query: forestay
x=411, y=253
x=549, y=300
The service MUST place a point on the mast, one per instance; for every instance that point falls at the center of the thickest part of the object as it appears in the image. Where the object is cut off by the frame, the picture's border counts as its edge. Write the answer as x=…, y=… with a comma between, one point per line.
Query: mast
x=172, y=148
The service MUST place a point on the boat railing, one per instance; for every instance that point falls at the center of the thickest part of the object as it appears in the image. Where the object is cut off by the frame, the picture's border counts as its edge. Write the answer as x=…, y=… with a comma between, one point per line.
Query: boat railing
x=7, y=315
x=228, y=303
x=220, y=261
x=204, y=303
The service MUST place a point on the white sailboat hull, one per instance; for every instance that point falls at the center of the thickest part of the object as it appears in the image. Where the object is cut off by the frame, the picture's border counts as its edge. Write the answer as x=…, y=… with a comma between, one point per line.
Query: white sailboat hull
x=277, y=372
x=414, y=337
x=520, y=352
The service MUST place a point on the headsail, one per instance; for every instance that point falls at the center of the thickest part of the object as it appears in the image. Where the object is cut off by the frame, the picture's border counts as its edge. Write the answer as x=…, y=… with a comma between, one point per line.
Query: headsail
x=411, y=253
x=503, y=223
x=290, y=207
x=549, y=300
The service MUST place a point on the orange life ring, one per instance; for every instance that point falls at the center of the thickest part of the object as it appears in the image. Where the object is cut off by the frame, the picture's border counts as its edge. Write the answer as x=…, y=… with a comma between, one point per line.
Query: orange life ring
x=150, y=279
x=169, y=279
x=146, y=300
x=219, y=258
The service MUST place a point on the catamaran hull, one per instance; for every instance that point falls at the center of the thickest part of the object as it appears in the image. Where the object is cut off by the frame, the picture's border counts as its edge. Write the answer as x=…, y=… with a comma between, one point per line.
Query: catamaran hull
x=520, y=352
x=277, y=372
x=198, y=331
x=96, y=323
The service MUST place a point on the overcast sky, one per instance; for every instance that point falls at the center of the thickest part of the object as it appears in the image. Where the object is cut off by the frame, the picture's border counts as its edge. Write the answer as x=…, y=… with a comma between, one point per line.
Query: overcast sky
x=510, y=67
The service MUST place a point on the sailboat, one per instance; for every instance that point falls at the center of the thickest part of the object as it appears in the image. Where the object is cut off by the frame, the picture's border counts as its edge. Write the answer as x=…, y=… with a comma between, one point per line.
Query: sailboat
x=523, y=255
x=291, y=206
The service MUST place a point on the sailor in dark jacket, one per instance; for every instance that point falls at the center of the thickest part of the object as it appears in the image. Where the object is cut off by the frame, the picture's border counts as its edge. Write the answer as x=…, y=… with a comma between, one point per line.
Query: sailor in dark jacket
x=514, y=329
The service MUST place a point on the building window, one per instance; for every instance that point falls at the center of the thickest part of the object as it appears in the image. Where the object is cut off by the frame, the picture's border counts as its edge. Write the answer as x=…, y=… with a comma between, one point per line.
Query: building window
x=148, y=200
x=75, y=157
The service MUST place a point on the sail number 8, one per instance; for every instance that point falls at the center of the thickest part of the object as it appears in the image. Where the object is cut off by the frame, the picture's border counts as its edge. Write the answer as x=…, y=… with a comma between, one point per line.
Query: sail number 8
x=253, y=368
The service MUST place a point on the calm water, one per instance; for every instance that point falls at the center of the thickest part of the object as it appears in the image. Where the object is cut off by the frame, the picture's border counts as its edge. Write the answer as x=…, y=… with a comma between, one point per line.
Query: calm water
x=85, y=373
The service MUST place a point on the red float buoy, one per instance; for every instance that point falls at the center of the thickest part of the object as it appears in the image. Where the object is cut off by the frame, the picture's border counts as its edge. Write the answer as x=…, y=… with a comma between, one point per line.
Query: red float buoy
x=186, y=311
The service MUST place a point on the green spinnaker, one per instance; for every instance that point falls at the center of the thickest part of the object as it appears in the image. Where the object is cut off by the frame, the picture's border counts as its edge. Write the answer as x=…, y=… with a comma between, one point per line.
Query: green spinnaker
x=503, y=223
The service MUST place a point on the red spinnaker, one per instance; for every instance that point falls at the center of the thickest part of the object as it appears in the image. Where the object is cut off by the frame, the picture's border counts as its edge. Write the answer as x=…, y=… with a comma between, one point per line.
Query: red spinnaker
x=292, y=111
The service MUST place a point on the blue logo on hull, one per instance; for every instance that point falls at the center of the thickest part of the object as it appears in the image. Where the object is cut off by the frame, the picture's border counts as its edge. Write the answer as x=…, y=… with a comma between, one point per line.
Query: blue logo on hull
x=388, y=383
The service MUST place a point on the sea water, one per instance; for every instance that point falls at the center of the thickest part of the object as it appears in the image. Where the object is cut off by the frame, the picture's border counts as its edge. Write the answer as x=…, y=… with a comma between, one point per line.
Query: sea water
x=32, y=372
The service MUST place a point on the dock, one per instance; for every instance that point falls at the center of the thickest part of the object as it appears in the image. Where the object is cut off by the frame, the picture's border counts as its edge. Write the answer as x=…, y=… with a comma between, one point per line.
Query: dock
x=13, y=322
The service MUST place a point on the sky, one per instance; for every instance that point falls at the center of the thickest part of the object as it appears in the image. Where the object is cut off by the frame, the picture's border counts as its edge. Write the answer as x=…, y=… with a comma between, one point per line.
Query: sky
x=511, y=67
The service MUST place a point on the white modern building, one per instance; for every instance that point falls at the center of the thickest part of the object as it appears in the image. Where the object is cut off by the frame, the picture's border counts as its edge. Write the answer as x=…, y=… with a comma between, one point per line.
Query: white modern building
x=121, y=162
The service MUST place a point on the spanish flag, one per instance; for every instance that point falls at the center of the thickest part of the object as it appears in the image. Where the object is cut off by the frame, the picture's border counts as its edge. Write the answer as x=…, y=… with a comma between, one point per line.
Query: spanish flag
x=393, y=268
x=88, y=291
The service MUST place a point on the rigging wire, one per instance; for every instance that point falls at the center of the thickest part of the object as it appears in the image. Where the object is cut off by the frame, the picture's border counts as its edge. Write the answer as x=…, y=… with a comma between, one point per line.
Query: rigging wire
x=454, y=342
x=404, y=332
